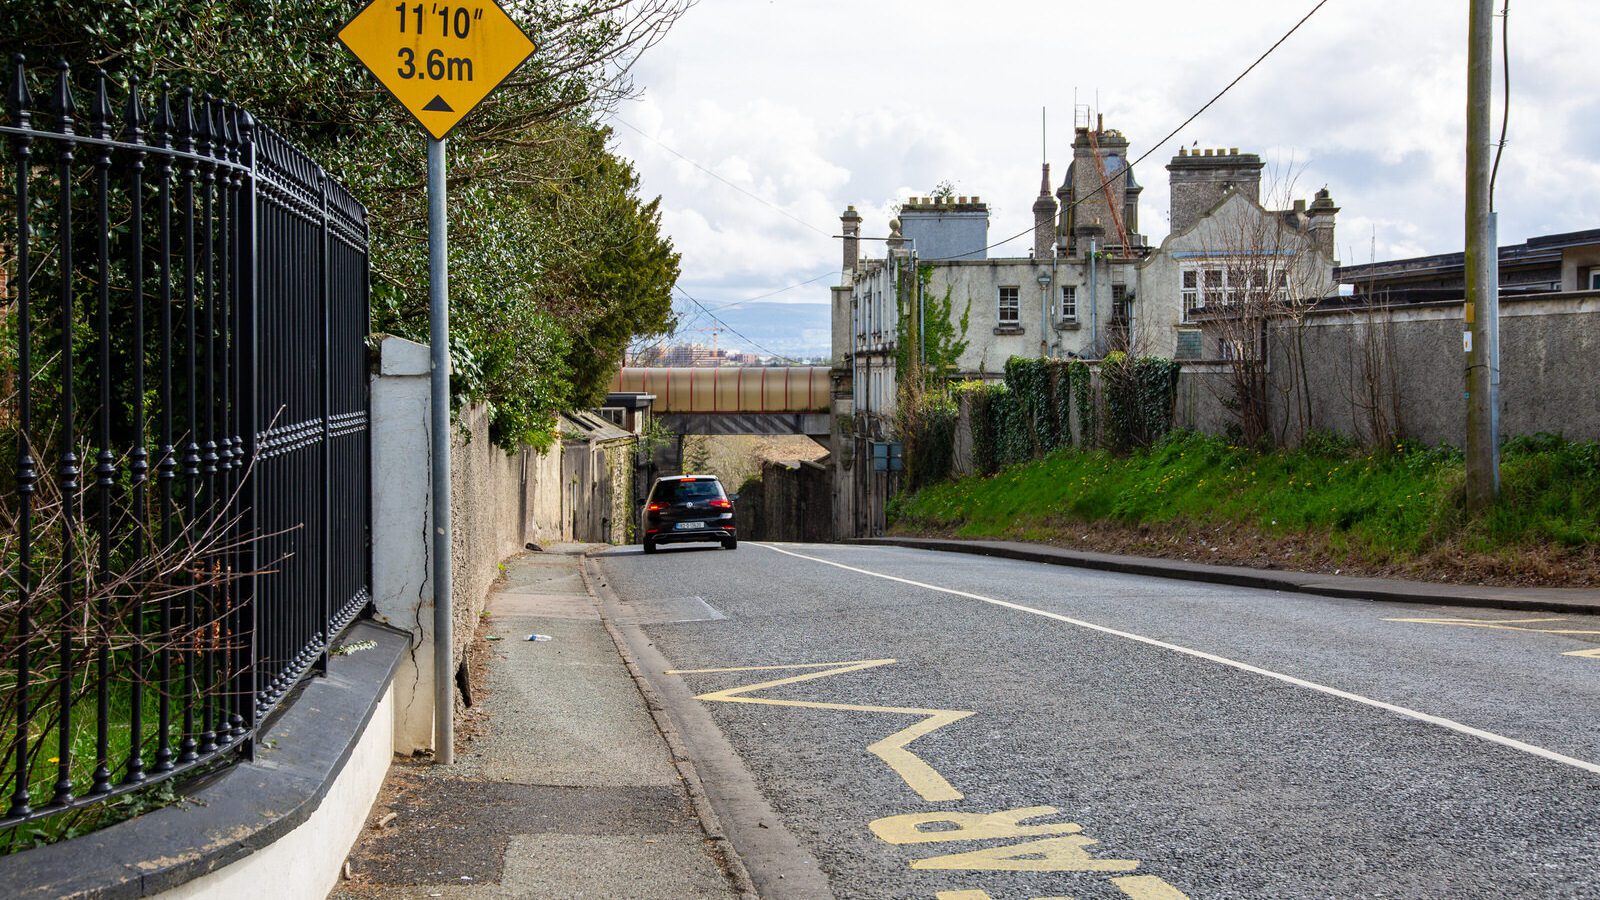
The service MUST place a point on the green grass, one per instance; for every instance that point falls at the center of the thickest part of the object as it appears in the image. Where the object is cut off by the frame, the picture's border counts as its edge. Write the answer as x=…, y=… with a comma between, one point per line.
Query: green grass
x=44, y=743
x=1384, y=507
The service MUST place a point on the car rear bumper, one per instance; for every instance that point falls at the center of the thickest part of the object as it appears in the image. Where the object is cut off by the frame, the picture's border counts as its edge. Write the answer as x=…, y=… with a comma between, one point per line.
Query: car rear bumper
x=698, y=535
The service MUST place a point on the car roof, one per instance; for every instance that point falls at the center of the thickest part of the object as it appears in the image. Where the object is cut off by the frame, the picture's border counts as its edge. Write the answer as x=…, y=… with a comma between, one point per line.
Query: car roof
x=688, y=478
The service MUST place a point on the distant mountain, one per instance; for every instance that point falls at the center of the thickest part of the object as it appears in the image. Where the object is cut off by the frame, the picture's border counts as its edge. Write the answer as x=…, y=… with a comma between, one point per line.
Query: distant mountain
x=789, y=329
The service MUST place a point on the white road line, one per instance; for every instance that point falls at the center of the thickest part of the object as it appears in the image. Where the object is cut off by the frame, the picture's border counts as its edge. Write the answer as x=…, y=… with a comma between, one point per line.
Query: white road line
x=1440, y=721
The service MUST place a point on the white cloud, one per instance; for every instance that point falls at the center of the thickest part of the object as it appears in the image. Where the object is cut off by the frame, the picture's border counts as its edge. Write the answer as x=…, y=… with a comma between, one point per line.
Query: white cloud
x=816, y=105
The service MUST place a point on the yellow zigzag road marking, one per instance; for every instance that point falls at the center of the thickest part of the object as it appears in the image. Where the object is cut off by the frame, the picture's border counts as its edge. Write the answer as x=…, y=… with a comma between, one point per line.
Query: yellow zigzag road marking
x=1503, y=623
x=918, y=775
x=1513, y=625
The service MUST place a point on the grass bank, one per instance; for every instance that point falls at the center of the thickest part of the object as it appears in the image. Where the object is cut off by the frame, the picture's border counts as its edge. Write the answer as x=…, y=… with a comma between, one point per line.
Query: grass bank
x=1323, y=507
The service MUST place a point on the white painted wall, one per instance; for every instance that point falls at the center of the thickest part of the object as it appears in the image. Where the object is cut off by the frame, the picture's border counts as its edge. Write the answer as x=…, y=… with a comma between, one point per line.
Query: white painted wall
x=499, y=501
x=402, y=590
x=308, y=861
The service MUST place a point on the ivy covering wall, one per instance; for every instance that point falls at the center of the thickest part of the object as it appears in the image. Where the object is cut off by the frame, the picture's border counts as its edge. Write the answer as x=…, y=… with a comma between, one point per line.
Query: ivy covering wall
x=1043, y=405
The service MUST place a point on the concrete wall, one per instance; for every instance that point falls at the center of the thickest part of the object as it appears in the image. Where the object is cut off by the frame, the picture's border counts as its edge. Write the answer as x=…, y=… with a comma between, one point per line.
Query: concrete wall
x=597, y=479
x=499, y=502
x=1546, y=345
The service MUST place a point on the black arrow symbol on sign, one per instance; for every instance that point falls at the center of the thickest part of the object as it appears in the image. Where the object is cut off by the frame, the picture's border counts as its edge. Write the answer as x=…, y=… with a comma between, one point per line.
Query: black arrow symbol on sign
x=437, y=104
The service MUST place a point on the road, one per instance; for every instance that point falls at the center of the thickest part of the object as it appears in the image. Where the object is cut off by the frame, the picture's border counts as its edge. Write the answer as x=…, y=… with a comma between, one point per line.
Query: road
x=955, y=727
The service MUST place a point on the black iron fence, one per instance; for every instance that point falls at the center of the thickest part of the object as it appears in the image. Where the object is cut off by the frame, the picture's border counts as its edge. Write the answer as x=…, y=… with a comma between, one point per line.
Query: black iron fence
x=184, y=300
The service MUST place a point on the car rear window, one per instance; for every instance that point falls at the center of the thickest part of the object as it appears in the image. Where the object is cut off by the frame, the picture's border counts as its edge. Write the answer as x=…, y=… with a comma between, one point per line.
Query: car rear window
x=683, y=491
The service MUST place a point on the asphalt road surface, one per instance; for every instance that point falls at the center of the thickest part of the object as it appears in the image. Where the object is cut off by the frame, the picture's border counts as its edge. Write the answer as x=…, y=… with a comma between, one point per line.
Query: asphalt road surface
x=954, y=727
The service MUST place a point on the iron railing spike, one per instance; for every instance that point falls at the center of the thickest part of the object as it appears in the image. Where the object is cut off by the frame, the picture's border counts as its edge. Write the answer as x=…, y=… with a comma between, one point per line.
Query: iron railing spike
x=100, y=116
x=64, y=104
x=133, y=117
x=203, y=125
x=186, y=119
x=19, y=97
x=164, y=121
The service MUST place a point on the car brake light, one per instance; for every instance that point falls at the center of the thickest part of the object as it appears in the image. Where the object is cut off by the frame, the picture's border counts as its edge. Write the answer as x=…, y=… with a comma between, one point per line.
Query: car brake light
x=720, y=504
x=686, y=480
x=655, y=507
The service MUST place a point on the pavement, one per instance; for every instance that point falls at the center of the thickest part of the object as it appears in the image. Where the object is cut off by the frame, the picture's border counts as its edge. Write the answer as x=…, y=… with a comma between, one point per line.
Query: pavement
x=949, y=726
x=1571, y=600
x=568, y=788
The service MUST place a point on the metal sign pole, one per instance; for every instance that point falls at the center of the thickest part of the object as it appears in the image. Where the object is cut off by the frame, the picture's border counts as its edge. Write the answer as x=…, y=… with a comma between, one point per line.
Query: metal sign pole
x=444, y=701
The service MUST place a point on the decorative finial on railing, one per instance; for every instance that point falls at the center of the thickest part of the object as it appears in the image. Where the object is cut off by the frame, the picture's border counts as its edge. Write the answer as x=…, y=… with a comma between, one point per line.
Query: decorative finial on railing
x=100, y=115
x=203, y=131
x=133, y=120
x=64, y=104
x=163, y=125
x=186, y=120
x=19, y=98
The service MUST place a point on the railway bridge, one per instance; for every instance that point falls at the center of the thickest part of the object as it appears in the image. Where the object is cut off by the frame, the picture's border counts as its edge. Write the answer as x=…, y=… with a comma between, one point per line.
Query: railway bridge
x=735, y=399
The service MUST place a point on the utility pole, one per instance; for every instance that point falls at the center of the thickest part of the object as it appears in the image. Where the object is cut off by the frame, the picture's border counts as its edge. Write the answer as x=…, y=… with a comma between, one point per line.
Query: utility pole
x=1477, y=344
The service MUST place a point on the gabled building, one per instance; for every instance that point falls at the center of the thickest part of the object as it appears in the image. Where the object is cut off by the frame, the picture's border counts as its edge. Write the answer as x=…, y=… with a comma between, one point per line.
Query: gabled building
x=1229, y=256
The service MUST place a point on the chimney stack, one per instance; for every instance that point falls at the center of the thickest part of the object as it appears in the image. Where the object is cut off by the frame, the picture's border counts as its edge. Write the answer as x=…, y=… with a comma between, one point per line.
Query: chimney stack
x=1324, y=212
x=1200, y=181
x=1044, y=219
x=850, y=222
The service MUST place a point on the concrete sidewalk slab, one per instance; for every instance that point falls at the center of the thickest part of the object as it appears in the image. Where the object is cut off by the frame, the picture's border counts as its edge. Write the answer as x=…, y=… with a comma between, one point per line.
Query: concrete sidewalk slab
x=569, y=789
x=1564, y=600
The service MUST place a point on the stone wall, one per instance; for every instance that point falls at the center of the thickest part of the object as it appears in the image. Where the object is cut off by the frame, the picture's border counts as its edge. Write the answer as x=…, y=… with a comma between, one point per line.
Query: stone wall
x=499, y=503
x=795, y=503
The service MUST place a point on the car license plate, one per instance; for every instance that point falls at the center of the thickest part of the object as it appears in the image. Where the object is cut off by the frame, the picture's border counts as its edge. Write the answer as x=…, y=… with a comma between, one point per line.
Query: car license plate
x=690, y=526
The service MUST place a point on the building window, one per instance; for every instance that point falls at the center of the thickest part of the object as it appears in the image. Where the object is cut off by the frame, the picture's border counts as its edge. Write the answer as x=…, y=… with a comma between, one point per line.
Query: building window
x=1594, y=279
x=1121, y=304
x=1069, y=302
x=1191, y=293
x=1010, y=307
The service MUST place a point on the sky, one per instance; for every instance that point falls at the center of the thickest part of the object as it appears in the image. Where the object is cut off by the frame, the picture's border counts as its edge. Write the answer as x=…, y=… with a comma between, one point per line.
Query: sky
x=759, y=121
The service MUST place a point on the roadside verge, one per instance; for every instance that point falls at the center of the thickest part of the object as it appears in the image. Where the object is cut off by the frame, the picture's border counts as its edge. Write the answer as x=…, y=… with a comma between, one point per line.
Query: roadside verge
x=1561, y=600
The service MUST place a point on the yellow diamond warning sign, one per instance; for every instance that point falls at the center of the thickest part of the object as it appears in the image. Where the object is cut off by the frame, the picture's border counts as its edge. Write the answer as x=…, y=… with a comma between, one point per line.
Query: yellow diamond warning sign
x=438, y=58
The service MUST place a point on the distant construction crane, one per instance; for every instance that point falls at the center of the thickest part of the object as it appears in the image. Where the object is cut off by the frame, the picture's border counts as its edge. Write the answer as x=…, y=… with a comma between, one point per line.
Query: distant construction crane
x=1093, y=124
x=1105, y=183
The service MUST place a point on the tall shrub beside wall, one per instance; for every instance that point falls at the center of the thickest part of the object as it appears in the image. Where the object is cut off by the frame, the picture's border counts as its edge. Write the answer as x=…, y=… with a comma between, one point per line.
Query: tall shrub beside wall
x=1080, y=380
x=982, y=399
x=928, y=428
x=1139, y=395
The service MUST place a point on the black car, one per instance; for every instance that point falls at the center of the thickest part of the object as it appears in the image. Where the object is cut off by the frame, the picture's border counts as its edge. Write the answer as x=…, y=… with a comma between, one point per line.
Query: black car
x=685, y=508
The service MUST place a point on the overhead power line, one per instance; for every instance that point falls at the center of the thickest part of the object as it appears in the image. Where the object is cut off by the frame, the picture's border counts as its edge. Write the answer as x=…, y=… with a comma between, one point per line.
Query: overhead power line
x=724, y=324
x=1170, y=135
